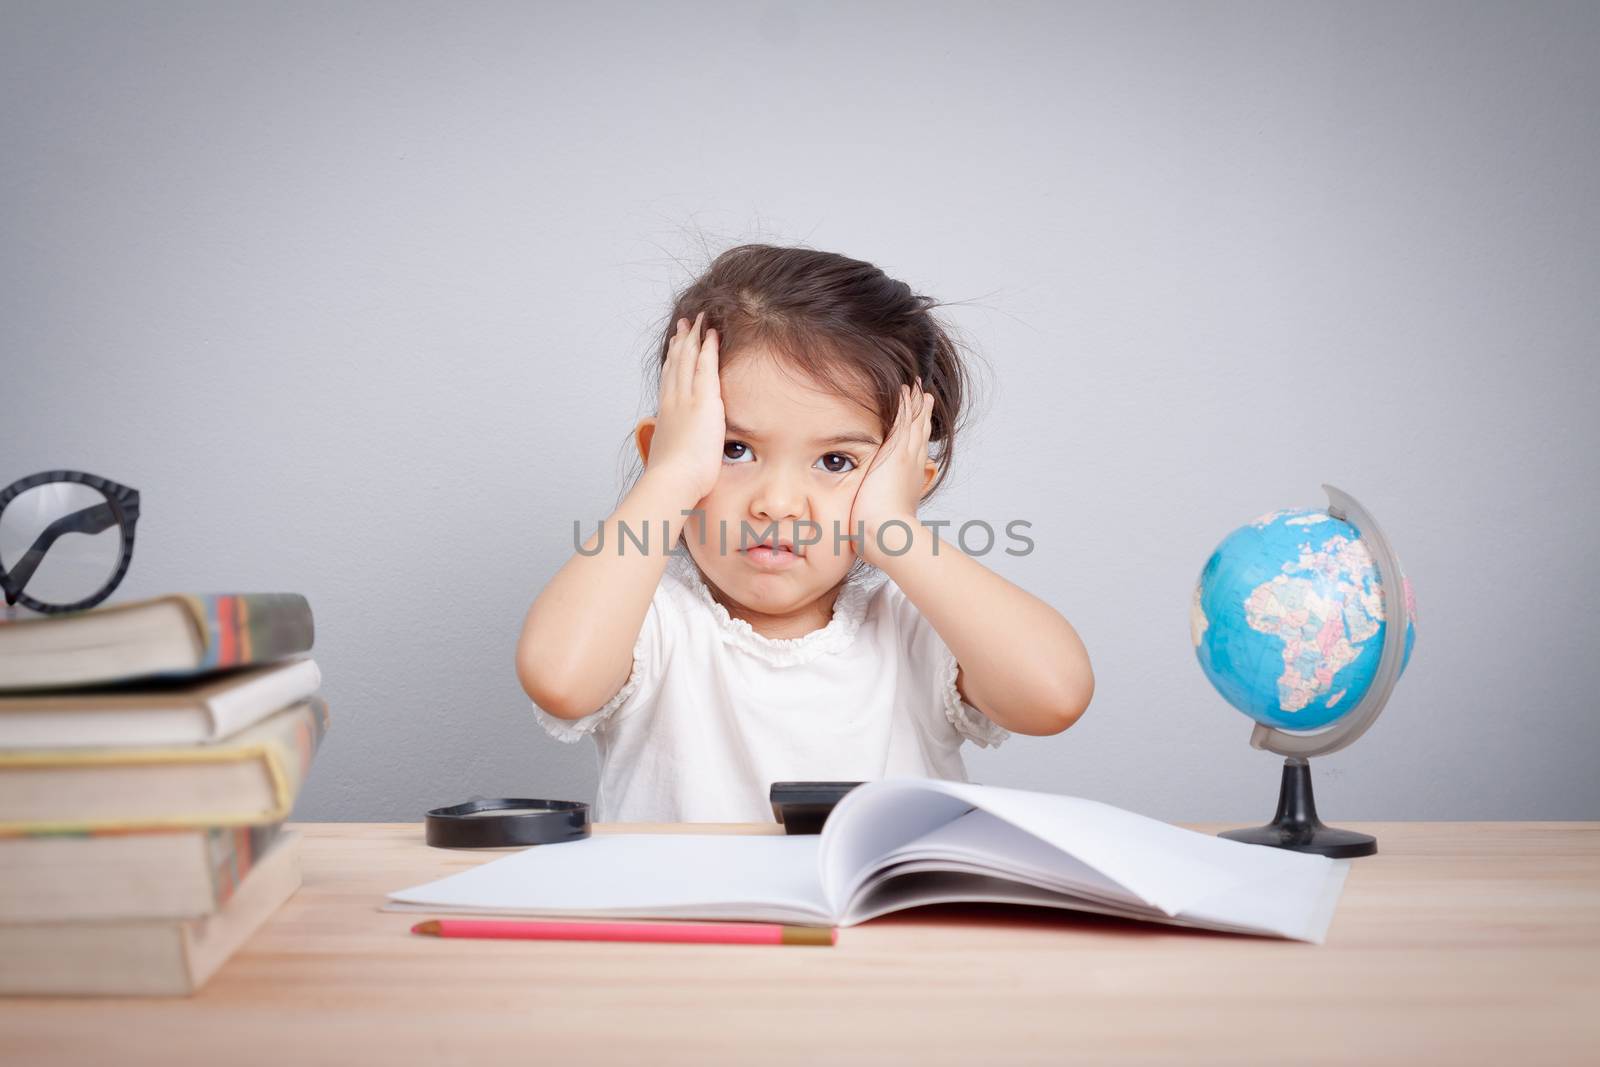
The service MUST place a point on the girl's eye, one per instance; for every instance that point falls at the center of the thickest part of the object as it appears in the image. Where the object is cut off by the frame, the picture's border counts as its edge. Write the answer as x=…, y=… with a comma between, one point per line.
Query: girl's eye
x=832, y=462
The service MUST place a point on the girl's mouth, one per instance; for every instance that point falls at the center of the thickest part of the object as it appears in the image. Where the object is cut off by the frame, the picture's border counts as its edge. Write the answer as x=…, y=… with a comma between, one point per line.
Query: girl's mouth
x=767, y=558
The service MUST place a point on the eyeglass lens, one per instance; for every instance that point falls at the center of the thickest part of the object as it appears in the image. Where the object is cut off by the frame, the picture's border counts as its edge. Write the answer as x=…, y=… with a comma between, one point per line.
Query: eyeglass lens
x=61, y=541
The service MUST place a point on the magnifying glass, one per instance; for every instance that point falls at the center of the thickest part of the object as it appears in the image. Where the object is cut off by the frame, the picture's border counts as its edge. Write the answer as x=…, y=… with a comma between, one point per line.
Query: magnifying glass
x=502, y=822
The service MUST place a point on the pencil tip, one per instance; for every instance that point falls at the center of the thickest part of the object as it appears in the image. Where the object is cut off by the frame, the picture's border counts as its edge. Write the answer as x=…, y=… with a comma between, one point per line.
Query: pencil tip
x=429, y=927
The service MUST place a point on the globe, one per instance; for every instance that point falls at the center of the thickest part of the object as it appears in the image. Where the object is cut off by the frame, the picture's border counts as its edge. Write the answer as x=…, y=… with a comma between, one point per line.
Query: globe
x=1288, y=619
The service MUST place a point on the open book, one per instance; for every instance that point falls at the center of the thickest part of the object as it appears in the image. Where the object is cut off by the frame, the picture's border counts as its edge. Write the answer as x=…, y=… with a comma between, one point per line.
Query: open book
x=903, y=842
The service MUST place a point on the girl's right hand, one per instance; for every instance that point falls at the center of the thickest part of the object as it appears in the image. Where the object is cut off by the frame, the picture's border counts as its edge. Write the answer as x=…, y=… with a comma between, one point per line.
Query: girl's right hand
x=691, y=429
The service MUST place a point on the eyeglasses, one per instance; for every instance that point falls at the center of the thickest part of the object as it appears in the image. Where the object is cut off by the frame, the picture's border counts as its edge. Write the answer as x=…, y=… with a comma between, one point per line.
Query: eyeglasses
x=66, y=537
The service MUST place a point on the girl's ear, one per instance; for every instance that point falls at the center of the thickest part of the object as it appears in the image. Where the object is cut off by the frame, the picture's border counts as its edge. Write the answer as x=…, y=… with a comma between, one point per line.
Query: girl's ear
x=643, y=434
x=930, y=471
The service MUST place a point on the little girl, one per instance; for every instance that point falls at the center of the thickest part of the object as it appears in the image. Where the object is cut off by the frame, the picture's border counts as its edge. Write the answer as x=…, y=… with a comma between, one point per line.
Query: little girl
x=807, y=627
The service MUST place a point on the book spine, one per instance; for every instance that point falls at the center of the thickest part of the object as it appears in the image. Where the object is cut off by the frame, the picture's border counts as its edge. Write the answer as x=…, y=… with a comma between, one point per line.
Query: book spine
x=306, y=740
x=243, y=628
x=233, y=853
x=286, y=754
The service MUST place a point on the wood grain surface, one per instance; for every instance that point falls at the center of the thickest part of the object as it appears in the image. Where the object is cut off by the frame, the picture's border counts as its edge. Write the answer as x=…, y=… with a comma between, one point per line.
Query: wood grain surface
x=1472, y=942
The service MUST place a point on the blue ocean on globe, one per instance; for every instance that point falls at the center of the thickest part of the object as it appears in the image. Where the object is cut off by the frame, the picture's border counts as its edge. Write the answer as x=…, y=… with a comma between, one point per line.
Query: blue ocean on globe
x=1288, y=619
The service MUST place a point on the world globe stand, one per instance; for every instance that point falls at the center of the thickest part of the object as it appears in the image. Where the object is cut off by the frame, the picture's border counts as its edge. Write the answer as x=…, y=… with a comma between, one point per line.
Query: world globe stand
x=1295, y=825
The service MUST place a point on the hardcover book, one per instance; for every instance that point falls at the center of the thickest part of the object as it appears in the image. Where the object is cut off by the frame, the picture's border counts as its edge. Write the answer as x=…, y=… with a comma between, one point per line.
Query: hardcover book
x=169, y=636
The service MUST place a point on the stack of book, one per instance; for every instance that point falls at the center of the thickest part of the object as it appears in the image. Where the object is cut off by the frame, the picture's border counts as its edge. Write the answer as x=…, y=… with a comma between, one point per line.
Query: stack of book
x=150, y=753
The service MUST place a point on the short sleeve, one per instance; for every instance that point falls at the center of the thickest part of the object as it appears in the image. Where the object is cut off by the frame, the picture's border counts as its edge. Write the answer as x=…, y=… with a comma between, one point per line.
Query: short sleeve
x=928, y=657
x=650, y=651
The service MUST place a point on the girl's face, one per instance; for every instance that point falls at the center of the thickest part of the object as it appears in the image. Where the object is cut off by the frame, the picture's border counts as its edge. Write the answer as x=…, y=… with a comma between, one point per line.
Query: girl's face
x=793, y=456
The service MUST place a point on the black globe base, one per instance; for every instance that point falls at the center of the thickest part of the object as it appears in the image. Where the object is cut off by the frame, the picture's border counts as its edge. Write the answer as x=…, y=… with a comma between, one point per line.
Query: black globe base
x=1296, y=826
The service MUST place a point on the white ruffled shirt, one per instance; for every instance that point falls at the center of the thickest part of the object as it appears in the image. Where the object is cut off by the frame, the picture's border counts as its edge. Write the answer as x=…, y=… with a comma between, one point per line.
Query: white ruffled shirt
x=713, y=713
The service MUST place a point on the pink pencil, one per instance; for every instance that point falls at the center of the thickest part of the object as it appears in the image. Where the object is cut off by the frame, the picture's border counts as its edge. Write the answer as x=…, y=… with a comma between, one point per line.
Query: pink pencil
x=700, y=933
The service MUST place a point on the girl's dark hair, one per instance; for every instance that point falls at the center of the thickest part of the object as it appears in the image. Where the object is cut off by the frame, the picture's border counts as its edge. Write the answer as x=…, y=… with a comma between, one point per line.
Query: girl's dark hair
x=841, y=322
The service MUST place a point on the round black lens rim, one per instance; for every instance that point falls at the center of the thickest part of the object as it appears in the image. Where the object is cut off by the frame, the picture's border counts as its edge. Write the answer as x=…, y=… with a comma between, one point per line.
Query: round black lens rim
x=124, y=504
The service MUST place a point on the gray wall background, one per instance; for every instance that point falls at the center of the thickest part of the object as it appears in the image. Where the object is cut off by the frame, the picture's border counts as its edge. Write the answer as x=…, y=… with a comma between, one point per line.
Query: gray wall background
x=357, y=296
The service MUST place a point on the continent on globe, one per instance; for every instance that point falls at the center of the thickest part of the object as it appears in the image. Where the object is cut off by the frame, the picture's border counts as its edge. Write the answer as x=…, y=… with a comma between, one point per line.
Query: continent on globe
x=1288, y=616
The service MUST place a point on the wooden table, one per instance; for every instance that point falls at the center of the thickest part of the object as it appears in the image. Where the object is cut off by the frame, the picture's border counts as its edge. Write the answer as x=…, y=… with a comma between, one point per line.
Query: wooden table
x=1476, y=942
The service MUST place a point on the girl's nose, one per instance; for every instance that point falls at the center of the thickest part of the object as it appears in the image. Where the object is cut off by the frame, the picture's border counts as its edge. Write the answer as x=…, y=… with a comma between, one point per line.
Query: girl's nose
x=779, y=496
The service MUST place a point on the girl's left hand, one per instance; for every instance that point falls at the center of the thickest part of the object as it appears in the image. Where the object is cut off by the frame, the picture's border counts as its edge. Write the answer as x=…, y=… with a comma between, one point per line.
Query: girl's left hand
x=893, y=484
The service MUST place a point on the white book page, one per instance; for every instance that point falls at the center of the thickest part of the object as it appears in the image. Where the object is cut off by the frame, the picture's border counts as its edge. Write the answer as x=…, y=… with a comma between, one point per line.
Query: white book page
x=981, y=842
x=1163, y=865
x=870, y=822
x=918, y=884
x=103, y=729
x=924, y=882
x=1284, y=909
x=188, y=720
x=715, y=876
x=1299, y=904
